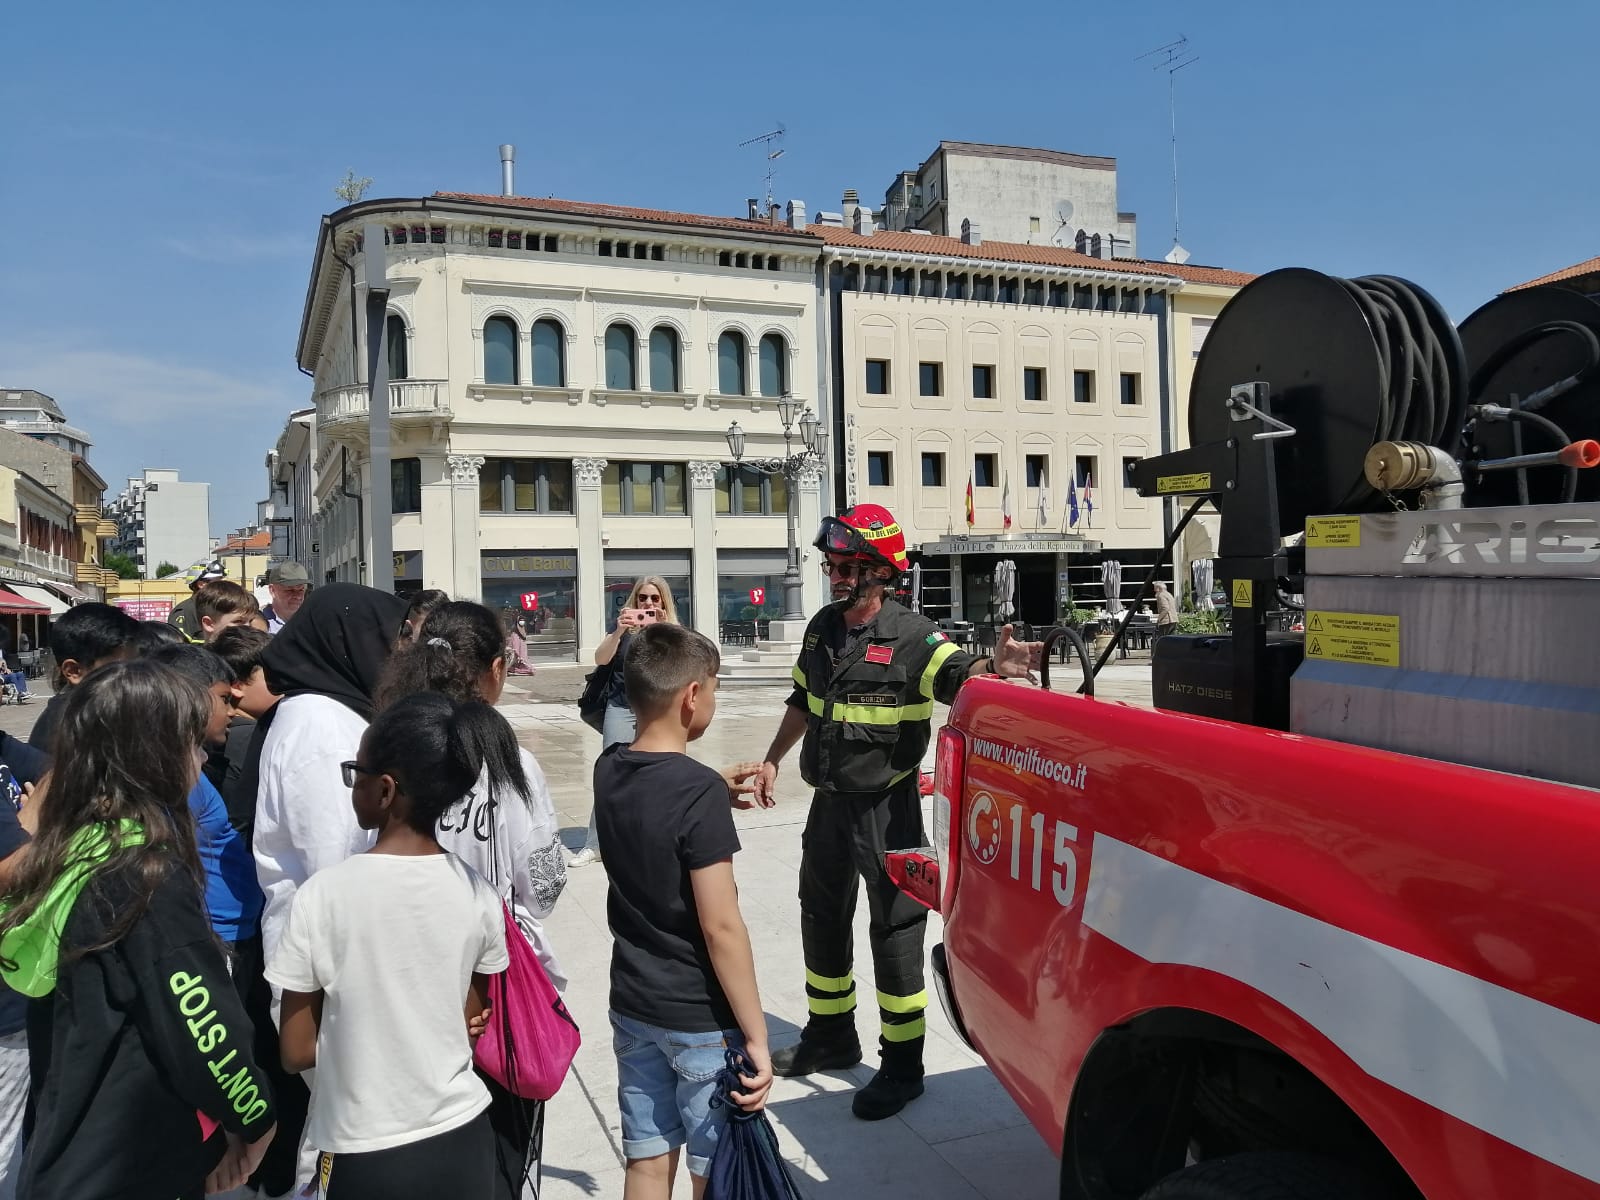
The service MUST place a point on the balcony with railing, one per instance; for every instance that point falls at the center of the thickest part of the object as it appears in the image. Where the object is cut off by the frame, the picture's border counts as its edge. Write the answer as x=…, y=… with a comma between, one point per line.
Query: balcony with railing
x=411, y=402
x=58, y=565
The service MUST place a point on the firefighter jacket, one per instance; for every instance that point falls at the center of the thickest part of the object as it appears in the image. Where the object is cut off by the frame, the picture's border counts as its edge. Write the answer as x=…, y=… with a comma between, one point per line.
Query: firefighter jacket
x=869, y=697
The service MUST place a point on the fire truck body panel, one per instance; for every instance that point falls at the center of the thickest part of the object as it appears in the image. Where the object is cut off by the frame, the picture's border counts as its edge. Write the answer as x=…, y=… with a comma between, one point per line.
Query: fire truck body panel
x=1413, y=933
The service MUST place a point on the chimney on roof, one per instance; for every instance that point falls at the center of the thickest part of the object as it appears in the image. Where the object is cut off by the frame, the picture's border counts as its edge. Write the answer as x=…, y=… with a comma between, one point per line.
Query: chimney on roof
x=863, y=221
x=971, y=234
x=797, y=214
x=753, y=208
x=831, y=218
x=508, y=159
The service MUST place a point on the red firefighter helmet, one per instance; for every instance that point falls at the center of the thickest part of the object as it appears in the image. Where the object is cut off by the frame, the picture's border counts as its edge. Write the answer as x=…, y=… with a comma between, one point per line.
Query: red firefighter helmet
x=867, y=532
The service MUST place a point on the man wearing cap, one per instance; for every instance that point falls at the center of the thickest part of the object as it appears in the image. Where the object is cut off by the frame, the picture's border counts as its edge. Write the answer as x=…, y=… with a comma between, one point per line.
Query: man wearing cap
x=288, y=583
x=868, y=674
x=184, y=617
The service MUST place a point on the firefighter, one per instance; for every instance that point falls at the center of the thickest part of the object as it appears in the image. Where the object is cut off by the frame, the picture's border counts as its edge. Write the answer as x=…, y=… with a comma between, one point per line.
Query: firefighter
x=183, y=617
x=866, y=680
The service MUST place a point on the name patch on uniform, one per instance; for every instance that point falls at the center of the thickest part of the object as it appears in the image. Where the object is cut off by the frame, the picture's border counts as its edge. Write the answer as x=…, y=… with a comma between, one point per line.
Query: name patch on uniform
x=880, y=654
x=875, y=700
x=811, y=641
x=934, y=638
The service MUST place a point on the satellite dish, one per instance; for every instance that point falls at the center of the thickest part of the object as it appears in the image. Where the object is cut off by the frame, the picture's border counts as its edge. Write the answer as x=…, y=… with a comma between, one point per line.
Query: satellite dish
x=1062, y=235
x=1177, y=255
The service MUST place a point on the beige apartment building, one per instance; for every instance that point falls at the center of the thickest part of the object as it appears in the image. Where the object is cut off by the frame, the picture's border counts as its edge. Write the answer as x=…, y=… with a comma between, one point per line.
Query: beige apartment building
x=563, y=379
x=1034, y=374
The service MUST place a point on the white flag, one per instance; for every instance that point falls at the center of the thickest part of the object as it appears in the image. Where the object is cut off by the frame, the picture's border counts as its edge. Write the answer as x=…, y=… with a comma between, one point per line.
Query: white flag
x=1044, y=508
x=1005, y=506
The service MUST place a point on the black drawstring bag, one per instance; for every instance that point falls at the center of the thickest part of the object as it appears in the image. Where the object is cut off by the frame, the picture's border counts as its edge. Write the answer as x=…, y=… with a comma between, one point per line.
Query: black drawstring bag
x=596, y=691
x=746, y=1164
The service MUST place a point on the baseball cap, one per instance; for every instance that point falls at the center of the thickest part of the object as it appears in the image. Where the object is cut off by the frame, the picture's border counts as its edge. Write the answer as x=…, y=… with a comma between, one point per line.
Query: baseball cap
x=289, y=574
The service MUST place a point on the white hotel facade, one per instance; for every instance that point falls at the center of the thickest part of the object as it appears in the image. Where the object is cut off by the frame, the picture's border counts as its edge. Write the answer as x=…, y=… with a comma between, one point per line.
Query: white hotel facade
x=563, y=377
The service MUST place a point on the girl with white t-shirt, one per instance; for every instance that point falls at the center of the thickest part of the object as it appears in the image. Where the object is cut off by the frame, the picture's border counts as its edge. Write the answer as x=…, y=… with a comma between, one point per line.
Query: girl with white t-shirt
x=384, y=960
x=505, y=829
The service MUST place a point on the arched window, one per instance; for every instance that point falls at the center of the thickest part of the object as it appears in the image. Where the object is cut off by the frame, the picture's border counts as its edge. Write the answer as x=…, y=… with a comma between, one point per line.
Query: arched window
x=774, y=354
x=731, y=357
x=500, y=350
x=663, y=359
x=621, y=375
x=549, y=354
x=394, y=333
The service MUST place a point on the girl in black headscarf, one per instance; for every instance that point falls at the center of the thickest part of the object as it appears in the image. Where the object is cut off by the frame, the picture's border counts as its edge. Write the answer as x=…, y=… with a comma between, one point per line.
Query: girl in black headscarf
x=325, y=664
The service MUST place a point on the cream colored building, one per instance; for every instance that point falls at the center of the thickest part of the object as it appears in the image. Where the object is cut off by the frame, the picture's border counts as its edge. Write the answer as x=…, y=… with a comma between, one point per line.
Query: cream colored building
x=1024, y=370
x=563, y=378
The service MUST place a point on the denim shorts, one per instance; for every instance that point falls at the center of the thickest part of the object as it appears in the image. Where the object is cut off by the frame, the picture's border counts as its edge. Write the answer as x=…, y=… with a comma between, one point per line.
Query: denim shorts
x=665, y=1081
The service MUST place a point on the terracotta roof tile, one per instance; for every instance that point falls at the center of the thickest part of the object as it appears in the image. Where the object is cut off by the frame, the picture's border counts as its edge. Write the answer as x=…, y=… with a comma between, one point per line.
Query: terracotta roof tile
x=623, y=212
x=1022, y=254
x=1589, y=266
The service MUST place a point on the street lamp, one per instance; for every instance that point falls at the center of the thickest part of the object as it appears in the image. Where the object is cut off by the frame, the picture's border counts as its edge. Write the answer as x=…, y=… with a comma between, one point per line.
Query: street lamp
x=814, y=439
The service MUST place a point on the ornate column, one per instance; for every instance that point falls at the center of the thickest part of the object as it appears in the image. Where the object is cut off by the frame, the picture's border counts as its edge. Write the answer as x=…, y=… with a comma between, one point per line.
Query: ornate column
x=587, y=474
x=810, y=519
x=703, y=554
x=466, y=564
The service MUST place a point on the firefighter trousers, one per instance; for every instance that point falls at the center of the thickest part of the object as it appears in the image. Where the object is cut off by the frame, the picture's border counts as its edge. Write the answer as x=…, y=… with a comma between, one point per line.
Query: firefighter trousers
x=845, y=839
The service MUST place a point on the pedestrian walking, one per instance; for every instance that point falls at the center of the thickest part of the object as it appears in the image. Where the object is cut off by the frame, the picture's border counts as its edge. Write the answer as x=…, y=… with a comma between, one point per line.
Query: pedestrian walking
x=1166, y=611
x=866, y=680
x=648, y=603
x=384, y=960
x=134, y=1027
x=683, y=986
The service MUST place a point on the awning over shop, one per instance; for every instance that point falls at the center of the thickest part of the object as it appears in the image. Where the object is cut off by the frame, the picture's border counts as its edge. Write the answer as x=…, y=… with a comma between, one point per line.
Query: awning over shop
x=10, y=602
x=73, y=595
x=38, y=595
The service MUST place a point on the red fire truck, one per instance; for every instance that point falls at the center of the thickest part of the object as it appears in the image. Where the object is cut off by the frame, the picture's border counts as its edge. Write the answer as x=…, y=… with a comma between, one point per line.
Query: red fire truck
x=1324, y=923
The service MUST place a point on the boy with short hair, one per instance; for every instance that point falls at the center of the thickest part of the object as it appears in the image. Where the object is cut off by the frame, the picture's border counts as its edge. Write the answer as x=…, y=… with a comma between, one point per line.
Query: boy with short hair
x=683, y=985
x=84, y=637
x=221, y=605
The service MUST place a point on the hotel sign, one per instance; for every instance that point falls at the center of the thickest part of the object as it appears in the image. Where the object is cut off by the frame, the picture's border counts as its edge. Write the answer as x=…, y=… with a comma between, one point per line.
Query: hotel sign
x=1011, y=546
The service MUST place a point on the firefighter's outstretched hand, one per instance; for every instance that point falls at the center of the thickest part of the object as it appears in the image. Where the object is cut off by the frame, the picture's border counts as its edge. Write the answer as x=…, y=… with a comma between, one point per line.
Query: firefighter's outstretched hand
x=764, y=785
x=1016, y=660
x=740, y=779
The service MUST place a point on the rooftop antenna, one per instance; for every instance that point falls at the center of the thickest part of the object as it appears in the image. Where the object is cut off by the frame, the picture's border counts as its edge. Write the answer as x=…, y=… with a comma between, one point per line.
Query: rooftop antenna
x=770, y=140
x=1175, y=56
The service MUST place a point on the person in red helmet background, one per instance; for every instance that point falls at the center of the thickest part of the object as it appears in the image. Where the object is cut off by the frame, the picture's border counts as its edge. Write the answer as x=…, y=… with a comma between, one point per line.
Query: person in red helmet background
x=866, y=680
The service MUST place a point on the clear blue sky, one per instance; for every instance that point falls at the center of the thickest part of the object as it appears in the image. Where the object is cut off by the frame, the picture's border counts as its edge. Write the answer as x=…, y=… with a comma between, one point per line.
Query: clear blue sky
x=165, y=164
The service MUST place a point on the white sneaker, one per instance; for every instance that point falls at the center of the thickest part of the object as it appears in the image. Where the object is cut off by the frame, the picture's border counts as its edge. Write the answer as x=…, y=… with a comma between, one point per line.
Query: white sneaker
x=586, y=857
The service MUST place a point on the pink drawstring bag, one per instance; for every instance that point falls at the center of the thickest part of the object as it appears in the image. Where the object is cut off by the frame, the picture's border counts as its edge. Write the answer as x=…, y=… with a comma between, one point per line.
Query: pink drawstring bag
x=531, y=1039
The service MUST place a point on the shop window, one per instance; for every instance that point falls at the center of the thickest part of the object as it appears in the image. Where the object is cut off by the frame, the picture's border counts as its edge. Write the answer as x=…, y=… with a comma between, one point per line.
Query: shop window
x=633, y=489
x=985, y=470
x=880, y=468
x=525, y=485
x=932, y=469
x=549, y=354
x=405, y=485
x=619, y=586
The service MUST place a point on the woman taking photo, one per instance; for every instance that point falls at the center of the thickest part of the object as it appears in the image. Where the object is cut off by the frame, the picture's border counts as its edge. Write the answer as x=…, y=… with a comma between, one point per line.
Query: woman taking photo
x=650, y=601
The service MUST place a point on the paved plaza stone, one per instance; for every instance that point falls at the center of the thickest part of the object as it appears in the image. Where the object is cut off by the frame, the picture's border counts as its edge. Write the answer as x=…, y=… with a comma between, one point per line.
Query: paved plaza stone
x=964, y=1139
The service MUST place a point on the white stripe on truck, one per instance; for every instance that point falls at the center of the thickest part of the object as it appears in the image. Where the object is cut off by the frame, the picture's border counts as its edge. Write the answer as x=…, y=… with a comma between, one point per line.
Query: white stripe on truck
x=1516, y=1068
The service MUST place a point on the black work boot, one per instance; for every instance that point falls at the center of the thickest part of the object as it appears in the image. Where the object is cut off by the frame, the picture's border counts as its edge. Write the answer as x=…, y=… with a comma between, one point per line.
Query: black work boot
x=886, y=1095
x=822, y=1047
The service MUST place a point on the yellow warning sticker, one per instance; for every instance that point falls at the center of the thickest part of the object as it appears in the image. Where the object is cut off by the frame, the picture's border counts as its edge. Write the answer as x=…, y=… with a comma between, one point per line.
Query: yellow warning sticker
x=1333, y=533
x=1174, y=484
x=1243, y=593
x=1369, y=638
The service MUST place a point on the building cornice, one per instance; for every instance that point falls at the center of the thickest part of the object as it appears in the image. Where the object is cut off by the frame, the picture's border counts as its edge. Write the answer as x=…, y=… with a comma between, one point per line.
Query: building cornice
x=991, y=266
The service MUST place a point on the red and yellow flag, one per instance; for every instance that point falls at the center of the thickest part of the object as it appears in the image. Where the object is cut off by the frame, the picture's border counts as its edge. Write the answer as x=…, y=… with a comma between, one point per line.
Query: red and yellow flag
x=971, y=520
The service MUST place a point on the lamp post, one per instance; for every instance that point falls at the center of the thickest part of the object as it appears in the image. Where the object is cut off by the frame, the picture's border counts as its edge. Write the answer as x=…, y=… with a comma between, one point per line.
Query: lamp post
x=814, y=440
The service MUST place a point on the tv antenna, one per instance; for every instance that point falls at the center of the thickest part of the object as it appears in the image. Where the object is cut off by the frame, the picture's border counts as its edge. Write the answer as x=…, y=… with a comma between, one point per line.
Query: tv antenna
x=1175, y=56
x=774, y=152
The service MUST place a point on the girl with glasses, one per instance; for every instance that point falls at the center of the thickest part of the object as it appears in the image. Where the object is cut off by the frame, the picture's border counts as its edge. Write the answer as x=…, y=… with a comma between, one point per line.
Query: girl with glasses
x=384, y=961
x=649, y=603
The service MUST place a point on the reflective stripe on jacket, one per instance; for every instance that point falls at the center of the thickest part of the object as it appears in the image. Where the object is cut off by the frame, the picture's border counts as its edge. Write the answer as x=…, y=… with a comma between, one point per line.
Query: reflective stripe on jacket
x=871, y=713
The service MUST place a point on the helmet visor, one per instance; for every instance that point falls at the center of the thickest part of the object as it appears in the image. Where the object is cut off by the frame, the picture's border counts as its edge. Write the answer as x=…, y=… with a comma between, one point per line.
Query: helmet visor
x=835, y=537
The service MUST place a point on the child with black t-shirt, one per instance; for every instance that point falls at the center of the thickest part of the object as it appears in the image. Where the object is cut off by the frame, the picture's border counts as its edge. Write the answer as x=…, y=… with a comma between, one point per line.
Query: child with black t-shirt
x=683, y=984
